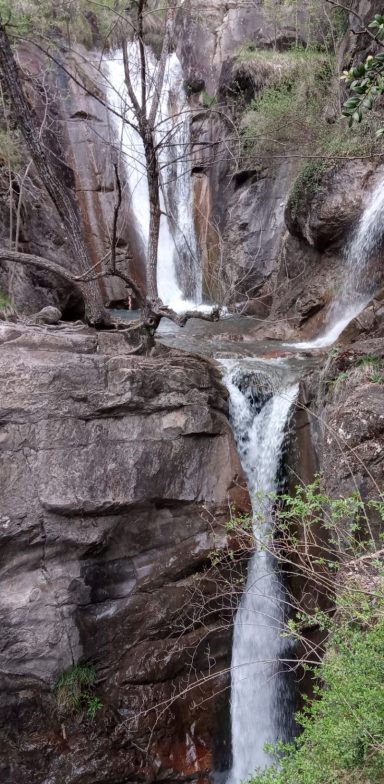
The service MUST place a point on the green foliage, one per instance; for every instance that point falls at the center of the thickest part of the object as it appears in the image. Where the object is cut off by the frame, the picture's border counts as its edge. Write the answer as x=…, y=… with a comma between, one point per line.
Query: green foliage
x=370, y=359
x=287, y=110
x=74, y=20
x=366, y=80
x=75, y=692
x=342, y=737
x=311, y=511
x=327, y=540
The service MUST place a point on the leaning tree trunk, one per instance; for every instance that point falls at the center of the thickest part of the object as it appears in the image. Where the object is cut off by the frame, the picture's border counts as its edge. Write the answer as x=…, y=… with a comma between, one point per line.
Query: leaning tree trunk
x=63, y=199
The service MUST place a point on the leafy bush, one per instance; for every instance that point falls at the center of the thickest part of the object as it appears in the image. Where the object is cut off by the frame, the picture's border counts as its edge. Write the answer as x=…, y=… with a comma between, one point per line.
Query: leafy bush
x=289, y=106
x=365, y=80
x=75, y=692
x=342, y=738
x=297, y=99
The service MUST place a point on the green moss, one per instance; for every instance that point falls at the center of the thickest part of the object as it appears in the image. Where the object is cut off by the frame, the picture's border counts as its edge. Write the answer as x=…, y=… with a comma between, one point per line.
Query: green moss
x=4, y=300
x=208, y=100
x=307, y=183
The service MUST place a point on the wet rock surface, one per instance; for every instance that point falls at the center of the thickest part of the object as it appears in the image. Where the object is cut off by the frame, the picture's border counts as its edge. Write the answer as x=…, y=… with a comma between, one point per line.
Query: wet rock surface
x=116, y=476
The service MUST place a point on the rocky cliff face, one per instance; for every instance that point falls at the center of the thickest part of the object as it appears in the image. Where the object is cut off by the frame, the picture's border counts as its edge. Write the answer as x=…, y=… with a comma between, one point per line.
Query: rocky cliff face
x=77, y=128
x=239, y=208
x=118, y=471
x=257, y=245
x=116, y=478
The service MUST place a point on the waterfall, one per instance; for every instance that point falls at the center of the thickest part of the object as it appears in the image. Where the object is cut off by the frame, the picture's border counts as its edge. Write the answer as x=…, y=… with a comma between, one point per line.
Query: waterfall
x=361, y=253
x=179, y=275
x=260, y=697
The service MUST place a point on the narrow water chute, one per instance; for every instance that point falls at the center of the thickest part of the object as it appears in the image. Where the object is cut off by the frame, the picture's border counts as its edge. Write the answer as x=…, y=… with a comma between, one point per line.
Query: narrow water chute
x=260, y=407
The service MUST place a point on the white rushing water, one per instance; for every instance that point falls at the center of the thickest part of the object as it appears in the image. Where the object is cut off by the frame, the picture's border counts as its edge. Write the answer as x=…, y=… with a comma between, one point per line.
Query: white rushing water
x=359, y=284
x=259, y=410
x=177, y=243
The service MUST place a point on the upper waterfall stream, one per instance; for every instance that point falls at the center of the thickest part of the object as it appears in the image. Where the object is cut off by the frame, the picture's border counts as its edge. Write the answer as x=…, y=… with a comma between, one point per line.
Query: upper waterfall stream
x=179, y=274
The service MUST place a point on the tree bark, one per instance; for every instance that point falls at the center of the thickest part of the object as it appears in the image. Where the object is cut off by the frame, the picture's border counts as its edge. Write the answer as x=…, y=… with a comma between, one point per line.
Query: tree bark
x=154, y=211
x=62, y=198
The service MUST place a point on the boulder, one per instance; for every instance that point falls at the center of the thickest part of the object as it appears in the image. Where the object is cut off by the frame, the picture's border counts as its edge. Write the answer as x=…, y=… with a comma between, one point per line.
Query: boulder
x=48, y=315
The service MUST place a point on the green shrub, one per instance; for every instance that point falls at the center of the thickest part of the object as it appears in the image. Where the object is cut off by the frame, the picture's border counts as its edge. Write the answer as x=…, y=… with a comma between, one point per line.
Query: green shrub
x=297, y=106
x=343, y=730
x=75, y=692
x=288, y=108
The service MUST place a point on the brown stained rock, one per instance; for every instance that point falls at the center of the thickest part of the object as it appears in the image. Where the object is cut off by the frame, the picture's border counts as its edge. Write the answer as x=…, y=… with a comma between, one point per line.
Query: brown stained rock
x=117, y=473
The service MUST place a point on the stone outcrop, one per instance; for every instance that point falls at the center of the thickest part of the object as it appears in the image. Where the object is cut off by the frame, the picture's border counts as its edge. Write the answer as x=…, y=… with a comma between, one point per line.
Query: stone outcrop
x=117, y=475
x=209, y=33
x=352, y=396
x=340, y=425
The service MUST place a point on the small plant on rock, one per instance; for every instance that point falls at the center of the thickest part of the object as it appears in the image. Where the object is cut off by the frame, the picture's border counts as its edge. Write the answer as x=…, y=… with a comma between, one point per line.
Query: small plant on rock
x=75, y=692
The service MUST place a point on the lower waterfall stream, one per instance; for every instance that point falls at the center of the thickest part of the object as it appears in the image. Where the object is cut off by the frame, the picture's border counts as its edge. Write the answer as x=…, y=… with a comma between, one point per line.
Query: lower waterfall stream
x=260, y=406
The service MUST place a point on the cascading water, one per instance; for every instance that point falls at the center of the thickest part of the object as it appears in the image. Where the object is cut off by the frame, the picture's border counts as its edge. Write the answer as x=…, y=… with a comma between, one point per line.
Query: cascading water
x=177, y=233
x=260, y=713
x=359, y=283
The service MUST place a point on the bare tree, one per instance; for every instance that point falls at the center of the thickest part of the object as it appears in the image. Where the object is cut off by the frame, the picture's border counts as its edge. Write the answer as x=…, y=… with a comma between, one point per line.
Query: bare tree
x=145, y=111
x=145, y=114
